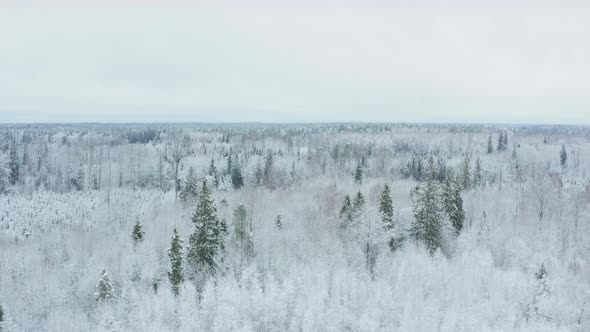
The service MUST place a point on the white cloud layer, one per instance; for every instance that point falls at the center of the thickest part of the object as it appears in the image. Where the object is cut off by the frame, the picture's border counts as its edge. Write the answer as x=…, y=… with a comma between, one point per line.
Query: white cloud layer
x=311, y=62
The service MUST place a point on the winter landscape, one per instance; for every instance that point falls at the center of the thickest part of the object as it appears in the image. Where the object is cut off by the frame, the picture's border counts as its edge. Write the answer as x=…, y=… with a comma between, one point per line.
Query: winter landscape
x=294, y=166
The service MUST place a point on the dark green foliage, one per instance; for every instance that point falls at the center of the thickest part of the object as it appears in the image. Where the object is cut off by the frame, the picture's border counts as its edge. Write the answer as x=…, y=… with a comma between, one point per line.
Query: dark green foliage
x=502, y=142
x=490, y=146
x=563, y=156
x=279, y=222
x=237, y=179
x=138, y=234
x=358, y=174
x=1, y=315
x=207, y=239
x=212, y=172
x=176, y=275
x=453, y=204
x=386, y=208
x=427, y=224
x=13, y=165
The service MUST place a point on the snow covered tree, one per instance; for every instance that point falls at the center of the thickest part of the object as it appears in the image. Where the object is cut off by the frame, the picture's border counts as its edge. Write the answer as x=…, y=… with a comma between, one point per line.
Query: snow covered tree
x=4, y=174
x=190, y=190
x=14, y=165
x=104, y=289
x=501, y=142
x=207, y=239
x=427, y=224
x=358, y=174
x=563, y=156
x=268, y=166
x=174, y=154
x=453, y=204
x=1, y=316
x=358, y=205
x=279, y=222
x=175, y=275
x=490, y=146
x=346, y=211
x=138, y=233
x=212, y=172
x=386, y=211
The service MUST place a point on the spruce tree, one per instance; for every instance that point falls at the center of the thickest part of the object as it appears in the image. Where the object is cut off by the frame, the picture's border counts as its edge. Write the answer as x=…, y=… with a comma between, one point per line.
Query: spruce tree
x=358, y=174
x=213, y=173
x=190, y=191
x=237, y=179
x=427, y=224
x=1, y=316
x=386, y=211
x=104, y=289
x=386, y=208
x=13, y=165
x=501, y=146
x=563, y=156
x=490, y=146
x=176, y=276
x=207, y=239
x=453, y=204
x=137, y=234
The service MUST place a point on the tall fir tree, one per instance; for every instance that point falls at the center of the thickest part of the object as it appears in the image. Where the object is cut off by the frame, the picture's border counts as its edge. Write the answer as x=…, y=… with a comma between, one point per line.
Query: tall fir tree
x=358, y=205
x=14, y=165
x=207, y=240
x=490, y=146
x=563, y=156
x=427, y=224
x=501, y=145
x=358, y=174
x=237, y=179
x=386, y=211
x=176, y=275
x=212, y=172
x=453, y=204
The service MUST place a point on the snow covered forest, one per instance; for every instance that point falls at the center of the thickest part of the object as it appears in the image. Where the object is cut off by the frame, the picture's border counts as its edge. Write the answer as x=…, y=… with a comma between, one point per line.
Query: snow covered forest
x=319, y=227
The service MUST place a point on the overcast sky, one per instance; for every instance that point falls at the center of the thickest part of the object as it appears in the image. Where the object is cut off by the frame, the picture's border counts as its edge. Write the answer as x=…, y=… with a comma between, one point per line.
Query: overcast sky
x=514, y=61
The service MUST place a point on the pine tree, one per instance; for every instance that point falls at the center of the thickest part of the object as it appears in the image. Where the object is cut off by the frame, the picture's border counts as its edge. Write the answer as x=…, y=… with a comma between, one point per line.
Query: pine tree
x=104, y=289
x=563, y=156
x=137, y=233
x=13, y=165
x=427, y=224
x=453, y=204
x=176, y=276
x=268, y=163
x=1, y=316
x=490, y=146
x=189, y=192
x=477, y=174
x=207, y=239
x=501, y=146
x=229, y=167
x=358, y=174
x=279, y=222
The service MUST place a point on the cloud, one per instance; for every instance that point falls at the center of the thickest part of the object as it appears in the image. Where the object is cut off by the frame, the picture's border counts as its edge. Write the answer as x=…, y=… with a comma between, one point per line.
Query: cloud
x=311, y=62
